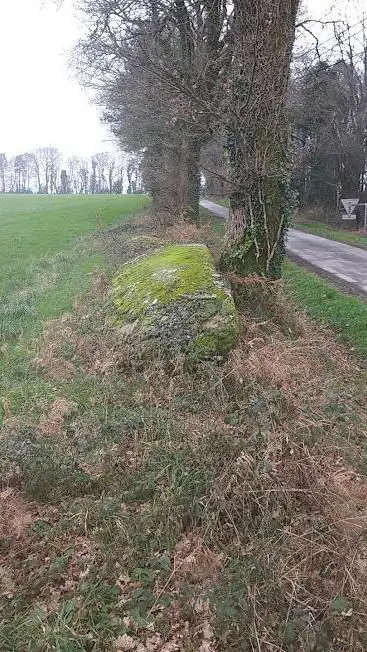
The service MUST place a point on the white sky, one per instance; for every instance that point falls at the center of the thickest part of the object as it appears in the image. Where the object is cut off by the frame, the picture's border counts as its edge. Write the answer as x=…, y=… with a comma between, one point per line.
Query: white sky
x=40, y=102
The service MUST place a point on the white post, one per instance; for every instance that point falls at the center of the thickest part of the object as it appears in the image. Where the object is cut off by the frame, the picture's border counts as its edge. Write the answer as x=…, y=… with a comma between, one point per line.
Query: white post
x=365, y=218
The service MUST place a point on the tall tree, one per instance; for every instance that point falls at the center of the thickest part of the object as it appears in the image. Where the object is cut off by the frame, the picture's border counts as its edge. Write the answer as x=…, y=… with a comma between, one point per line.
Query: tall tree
x=24, y=172
x=93, y=176
x=329, y=110
x=258, y=136
x=64, y=182
x=19, y=169
x=47, y=162
x=72, y=169
x=84, y=177
x=102, y=163
x=133, y=174
x=3, y=166
x=54, y=159
x=111, y=164
x=11, y=177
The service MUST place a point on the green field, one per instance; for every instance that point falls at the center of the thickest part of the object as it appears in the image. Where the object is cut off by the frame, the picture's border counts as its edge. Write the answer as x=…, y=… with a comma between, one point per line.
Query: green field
x=44, y=257
x=33, y=226
x=51, y=248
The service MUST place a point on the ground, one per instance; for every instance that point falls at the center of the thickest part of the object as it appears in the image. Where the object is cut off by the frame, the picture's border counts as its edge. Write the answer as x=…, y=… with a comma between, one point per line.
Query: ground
x=158, y=507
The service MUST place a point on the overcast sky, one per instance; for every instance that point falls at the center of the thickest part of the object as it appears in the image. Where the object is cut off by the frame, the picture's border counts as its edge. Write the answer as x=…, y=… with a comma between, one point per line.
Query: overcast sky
x=40, y=103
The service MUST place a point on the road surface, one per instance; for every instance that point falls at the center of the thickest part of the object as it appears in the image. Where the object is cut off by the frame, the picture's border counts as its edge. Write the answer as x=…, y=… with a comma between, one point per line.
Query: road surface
x=341, y=261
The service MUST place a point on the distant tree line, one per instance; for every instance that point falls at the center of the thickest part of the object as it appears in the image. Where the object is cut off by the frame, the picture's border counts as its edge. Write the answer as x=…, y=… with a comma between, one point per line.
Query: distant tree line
x=43, y=171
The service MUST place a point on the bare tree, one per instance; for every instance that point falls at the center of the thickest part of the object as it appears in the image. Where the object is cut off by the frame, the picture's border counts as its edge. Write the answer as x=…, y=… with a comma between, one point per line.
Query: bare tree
x=120, y=167
x=170, y=73
x=111, y=164
x=64, y=182
x=10, y=176
x=84, y=176
x=19, y=173
x=102, y=164
x=328, y=101
x=72, y=168
x=3, y=166
x=93, y=176
x=37, y=158
x=47, y=162
x=29, y=171
x=54, y=158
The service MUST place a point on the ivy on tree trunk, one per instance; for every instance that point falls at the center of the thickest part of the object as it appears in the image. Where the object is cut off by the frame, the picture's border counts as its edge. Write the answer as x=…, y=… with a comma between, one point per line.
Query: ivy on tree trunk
x=258, y=137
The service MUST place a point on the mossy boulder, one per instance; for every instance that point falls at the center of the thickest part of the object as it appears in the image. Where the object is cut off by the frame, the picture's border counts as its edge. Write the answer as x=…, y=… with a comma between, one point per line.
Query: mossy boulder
x=175, y=302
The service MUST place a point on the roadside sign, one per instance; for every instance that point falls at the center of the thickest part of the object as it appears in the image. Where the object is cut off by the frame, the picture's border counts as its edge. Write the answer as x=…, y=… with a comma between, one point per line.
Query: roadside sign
x=349, y=205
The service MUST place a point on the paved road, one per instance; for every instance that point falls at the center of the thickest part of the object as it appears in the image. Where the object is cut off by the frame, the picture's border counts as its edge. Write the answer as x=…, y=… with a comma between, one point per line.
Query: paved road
x=345, y=262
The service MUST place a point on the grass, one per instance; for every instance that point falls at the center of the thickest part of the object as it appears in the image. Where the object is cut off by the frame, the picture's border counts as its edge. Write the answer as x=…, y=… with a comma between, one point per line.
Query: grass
x=36, y=226
x=55, y=259
x=216, y=223
x=40, y=270
x=346, y=314
x=147, y=504
x=340, y=235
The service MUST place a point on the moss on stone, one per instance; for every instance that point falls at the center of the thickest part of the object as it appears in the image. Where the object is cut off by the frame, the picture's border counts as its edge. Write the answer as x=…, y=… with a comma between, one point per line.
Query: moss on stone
x=162, y=278
x=175, y=299
x=216, y=342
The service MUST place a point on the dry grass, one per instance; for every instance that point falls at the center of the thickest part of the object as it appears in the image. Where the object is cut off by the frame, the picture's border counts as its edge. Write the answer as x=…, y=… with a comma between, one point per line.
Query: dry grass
x=289, y=363
x=16, y=515
x=303, y=490
x=217, y=509
x=49, y=356
x=51, y=424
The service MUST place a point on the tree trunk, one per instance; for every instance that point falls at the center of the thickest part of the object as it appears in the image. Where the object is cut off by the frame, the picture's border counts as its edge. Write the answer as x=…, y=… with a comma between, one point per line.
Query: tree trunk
x=172, y=176
x=38, y=178
x=258, y=137
x=193, y=180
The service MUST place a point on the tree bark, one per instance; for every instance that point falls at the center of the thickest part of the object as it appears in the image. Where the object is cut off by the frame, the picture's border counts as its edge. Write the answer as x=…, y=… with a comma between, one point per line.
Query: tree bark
x=193, y=180
x=172, y=176
x=258, y=137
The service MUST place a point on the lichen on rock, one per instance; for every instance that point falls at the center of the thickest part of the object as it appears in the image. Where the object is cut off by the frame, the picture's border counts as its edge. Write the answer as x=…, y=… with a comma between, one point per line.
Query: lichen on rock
x=174, y=300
